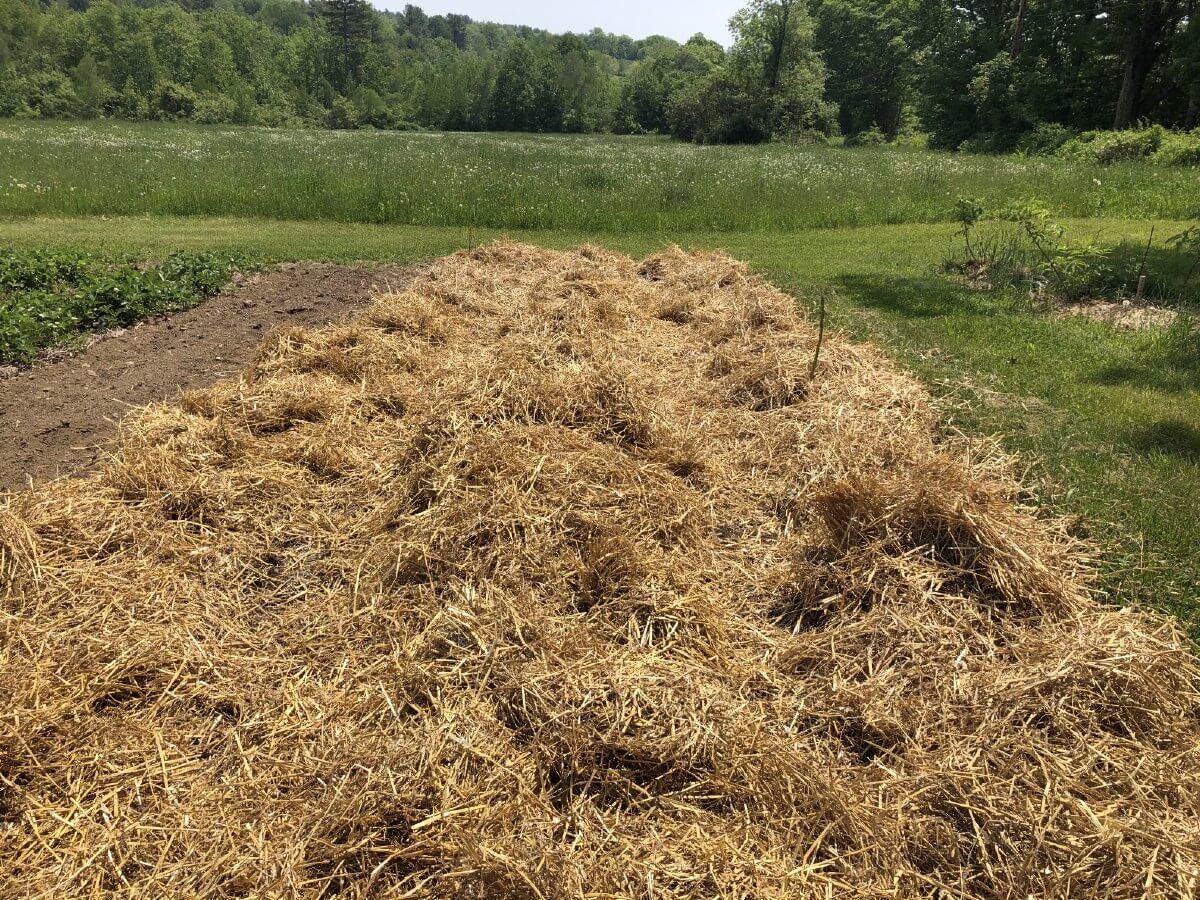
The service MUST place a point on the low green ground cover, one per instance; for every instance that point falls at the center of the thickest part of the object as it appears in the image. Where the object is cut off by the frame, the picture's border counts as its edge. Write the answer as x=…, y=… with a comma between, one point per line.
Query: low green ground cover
x=50, y=297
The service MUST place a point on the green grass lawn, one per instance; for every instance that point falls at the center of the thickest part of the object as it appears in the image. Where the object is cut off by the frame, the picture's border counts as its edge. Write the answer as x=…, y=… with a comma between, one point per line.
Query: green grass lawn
x=1107, y=423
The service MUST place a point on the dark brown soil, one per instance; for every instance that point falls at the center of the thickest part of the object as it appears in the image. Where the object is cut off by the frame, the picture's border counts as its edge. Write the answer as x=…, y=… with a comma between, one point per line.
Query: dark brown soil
x=57, y=416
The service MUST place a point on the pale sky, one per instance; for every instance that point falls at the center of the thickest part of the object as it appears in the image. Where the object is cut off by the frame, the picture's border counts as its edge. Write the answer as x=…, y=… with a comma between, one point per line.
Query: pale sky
x=679, y=19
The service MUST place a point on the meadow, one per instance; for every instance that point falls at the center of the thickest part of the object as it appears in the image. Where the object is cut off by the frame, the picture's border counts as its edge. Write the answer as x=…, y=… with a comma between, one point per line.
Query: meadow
x=600, y=183
x=1106, y=422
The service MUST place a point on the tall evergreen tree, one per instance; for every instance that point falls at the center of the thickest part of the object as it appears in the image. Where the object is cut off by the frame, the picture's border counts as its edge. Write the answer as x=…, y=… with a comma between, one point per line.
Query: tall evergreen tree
x=351, y=23
x=89, y=86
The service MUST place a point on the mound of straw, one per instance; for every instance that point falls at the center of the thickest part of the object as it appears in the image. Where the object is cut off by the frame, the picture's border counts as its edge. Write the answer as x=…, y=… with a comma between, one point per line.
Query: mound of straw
x=555, y=576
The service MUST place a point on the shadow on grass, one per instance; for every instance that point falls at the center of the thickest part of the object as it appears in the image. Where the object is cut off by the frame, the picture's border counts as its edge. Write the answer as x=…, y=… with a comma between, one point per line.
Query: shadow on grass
x=914, y=298
x=1173, y=437
x=1167, y=379
x=1166, y=270
x=1171, y=364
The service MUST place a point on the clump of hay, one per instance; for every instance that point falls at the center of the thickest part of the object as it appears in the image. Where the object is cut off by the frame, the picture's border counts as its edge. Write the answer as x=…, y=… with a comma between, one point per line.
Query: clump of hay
x=555, y=576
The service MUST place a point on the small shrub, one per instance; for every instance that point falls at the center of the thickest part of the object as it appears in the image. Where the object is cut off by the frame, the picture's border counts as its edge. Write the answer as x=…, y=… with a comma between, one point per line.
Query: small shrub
x=1107, y=147
x=343, y=114
x=1032, y=248
x=128, y=104
x=370, y=109
x=1074, y=269
x=967, y=212
x=1179, y=149
x=48, y=95
x=214, y=109
x=1045, y=140
x=916, y=140
x=988, y=142
x=172, y=101
x=1188, y=243
x=279, y=114
x=872, y=137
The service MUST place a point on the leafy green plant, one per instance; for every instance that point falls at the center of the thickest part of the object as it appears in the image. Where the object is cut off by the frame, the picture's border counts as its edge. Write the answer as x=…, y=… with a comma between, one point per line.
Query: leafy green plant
x=1188, y=242
x=967, y=213
x=50, y=298
x=1044, y=140
x=1031, y=247
x=1108, y=147
x=1179, y=149
x=39, y=269
x=1074, y=268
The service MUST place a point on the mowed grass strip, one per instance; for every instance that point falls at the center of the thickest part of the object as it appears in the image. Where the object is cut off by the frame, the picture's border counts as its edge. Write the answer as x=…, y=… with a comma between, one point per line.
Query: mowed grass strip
x=1107, y=421
x=590, y=182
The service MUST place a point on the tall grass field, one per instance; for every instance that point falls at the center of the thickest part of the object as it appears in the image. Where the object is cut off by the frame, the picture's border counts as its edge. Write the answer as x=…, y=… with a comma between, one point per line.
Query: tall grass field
x=594, y=183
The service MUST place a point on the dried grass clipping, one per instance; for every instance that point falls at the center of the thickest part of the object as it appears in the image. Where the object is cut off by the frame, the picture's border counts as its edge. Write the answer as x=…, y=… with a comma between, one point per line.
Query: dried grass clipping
x=554, y=577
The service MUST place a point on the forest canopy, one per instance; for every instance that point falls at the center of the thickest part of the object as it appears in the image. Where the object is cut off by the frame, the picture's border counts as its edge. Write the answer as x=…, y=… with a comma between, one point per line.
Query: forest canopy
x=981, y=74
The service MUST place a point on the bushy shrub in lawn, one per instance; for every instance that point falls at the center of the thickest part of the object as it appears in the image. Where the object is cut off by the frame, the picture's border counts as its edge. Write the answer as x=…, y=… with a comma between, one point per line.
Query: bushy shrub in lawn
x=1179, y=149
x=1032, y=248
x=871, y=137
x=1107, y=147
x=214, y=109
x=1045, y=140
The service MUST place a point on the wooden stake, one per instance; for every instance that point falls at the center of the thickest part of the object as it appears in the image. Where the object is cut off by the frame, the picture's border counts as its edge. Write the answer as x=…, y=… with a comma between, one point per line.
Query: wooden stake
x=812, y=369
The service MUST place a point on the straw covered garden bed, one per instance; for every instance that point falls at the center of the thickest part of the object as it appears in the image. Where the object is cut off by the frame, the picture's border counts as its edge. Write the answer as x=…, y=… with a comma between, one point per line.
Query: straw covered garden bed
x=556, y=576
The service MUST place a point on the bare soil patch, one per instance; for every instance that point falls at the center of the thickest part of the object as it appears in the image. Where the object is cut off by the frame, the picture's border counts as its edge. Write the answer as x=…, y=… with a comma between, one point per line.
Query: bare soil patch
x=55, y=416
x=1124, y=314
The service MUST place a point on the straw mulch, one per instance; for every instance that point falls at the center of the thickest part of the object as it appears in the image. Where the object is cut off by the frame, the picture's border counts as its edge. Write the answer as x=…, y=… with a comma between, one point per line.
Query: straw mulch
x=554, y=577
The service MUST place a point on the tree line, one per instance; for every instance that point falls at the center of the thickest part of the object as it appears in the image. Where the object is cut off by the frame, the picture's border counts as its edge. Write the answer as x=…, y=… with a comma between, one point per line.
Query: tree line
x=977, y=73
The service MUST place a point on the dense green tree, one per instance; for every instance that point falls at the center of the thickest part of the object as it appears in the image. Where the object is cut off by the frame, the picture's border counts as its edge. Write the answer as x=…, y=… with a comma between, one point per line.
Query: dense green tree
x=135, y=59
x=648, y=93
x=175, y=36
x=525, y=98
x=454, y=90
x=985, y=74
x=584, y=87
x=773, y=44
x=90, y=88
x=1147, y=27
x=350, y=22
x=772, y=84
x=869, y=49
x=721, y=110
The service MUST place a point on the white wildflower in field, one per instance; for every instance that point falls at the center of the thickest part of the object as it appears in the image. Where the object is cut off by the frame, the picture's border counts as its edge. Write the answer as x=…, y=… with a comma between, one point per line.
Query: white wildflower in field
x=534, y=181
